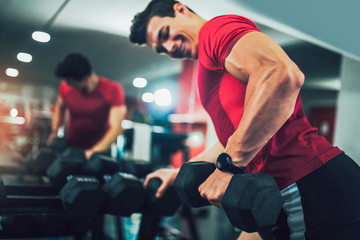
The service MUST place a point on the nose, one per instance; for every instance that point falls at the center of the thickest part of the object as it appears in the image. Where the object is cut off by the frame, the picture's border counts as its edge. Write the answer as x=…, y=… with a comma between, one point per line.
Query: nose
x=169, y=46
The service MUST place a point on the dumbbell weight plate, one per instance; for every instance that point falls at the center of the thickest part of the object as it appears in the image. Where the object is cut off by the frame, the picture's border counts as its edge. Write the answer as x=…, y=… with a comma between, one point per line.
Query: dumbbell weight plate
x=163, y=206
x=125, y=194
x=252, y=201
x=82, y=196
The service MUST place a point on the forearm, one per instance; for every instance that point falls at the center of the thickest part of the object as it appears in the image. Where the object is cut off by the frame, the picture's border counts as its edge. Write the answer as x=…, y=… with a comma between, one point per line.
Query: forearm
x=209, y=155
x=269, y=102
x=105, y=142
x=58, y=118
x=116, y=116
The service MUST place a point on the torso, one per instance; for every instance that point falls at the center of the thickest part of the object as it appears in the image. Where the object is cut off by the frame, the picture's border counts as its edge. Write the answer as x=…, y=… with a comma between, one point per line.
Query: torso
x=88, y=112
x=293, y=152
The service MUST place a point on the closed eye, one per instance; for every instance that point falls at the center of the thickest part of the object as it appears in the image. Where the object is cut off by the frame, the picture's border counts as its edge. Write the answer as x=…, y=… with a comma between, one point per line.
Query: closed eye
x=163, y=36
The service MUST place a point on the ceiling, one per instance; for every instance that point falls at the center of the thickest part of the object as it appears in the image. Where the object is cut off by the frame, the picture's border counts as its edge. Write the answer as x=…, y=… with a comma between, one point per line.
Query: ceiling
x=100, y=29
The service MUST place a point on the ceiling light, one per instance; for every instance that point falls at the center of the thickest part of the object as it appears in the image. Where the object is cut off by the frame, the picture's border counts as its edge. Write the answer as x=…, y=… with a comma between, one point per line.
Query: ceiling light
x=41, y=36
x=24, y=57
x=163, y=97
x=140, y=82
x=12, y=72
x=148, y=97
x=14, y=112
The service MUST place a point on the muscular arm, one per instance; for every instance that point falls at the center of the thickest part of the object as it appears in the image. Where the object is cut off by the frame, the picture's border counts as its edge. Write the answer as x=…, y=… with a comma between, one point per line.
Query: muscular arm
x=59, y=115
x=57, y=119
x=273, y=84
x=116, y=115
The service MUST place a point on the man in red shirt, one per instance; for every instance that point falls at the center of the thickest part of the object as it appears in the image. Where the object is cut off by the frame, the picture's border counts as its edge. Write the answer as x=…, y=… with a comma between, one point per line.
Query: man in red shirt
x=95, y=105
x=250, y=88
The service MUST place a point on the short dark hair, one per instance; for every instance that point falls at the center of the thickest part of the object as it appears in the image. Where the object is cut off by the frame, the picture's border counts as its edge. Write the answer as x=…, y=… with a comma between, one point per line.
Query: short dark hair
x=160, y=8
x=75, y=65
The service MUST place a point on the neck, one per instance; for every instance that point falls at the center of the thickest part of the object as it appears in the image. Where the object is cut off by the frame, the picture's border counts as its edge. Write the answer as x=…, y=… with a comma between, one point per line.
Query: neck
x=93, y=82
x=199, y=21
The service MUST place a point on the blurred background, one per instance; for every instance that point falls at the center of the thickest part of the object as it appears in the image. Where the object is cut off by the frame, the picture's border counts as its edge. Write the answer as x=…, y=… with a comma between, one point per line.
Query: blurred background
x=322, y=37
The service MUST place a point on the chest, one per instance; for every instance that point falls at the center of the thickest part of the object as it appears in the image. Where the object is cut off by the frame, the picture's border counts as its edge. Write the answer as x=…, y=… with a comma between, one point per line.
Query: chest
x=222, y=95
x=86, y=104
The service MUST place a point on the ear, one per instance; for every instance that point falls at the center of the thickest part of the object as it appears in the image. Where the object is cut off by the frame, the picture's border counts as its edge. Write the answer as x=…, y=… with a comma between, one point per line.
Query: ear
x=181, y=8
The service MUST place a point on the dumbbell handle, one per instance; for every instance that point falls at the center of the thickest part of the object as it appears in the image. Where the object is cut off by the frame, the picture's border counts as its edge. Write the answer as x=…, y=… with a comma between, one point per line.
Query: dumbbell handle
x=188, y=180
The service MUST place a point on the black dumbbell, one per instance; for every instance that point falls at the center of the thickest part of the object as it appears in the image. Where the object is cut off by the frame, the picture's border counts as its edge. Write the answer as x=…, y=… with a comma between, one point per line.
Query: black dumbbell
x=58, y=144
x=71, y=162
x=126, y=195
x=251, y=201
x=166, y=205
x=100, y=165
x=38, y=161
x=81, y=194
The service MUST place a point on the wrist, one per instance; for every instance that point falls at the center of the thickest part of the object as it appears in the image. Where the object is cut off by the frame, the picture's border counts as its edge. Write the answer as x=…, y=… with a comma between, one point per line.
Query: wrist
x=224, y=164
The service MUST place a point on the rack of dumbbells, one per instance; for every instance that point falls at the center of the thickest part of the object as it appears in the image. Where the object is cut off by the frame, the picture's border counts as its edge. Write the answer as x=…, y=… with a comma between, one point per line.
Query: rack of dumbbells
x=63, y=194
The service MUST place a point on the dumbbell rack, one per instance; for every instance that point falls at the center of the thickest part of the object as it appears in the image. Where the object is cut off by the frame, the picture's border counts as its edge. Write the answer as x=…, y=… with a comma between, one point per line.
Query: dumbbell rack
x=30, y=198
x=16, y=197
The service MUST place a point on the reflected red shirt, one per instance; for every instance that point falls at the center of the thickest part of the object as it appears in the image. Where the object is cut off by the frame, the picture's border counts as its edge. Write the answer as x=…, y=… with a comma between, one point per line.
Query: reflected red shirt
x=295, y=150
x=89, y=112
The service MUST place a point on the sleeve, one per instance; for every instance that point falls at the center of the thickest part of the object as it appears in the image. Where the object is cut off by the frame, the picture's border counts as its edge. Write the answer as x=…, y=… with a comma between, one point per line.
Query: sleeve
x=219, y=35
x=118, y=95
x=62, y=89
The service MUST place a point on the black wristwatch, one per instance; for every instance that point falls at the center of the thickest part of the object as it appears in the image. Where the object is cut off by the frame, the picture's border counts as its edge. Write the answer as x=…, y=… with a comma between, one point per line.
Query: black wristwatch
x=224, y=164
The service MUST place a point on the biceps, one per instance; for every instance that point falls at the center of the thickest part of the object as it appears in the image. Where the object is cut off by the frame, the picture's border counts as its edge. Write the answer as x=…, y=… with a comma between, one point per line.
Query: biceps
x=117, y=114
x=252, y=52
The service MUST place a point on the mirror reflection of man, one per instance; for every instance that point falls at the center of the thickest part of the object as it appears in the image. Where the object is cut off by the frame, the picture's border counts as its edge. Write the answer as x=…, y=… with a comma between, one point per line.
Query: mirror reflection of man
x=95, y=105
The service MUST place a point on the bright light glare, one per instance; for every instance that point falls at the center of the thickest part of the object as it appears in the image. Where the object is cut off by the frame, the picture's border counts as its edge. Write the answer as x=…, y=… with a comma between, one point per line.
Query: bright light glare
x=12, y=72
x=24, y=57
x=14, y=112
x=163, y=97
x=127, y=124
x=13, y=120
x=196, y=139
x=140, y=82
x=148, y=97
x=41, y=36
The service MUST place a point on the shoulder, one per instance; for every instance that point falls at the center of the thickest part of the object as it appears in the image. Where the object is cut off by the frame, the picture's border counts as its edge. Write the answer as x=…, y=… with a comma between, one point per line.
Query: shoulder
x=217, y=37
x=112, y=91
x=109, y=84
x=64, y=88
x=225, y=22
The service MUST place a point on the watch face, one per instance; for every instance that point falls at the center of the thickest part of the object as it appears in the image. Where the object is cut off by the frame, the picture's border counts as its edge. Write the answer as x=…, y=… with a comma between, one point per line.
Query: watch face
x=219, y=164
x=223, y=161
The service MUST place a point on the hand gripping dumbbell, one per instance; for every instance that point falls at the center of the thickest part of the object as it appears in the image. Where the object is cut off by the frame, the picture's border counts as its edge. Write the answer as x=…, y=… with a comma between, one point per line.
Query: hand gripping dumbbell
x=252, y=201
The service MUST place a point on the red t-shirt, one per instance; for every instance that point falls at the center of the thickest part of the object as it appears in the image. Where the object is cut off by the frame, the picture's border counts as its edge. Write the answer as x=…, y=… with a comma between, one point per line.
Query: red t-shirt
x=89, y=112
x=295, y=150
